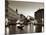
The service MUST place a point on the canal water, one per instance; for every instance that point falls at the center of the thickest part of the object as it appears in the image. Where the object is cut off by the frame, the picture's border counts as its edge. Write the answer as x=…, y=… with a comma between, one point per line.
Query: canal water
x=30, y=28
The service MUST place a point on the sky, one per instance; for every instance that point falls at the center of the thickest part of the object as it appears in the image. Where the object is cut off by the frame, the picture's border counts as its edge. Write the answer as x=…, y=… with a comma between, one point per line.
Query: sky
x=26, y=8
x=29, y=0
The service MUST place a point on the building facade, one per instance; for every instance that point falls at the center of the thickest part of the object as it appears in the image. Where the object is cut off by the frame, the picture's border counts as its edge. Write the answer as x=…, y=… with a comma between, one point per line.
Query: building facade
x=39, y=16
